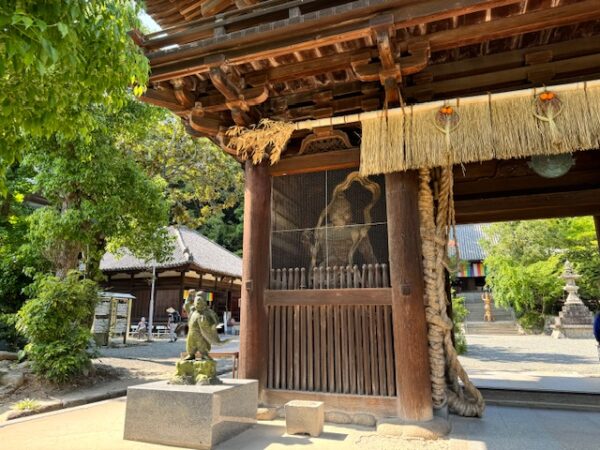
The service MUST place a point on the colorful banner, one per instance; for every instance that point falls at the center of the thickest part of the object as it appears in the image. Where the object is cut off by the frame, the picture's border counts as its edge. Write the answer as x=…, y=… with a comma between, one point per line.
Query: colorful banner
x=468, y=269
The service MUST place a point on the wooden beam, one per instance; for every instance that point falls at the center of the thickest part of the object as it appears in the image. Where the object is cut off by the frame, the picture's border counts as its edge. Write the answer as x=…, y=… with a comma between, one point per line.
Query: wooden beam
x=376, y=405
x=252, y=45
x=255, y=274
x=413, y=383
x=338, y=159
x=317, y=297
x=472, y=83
x=541, y=19
x=526, y=207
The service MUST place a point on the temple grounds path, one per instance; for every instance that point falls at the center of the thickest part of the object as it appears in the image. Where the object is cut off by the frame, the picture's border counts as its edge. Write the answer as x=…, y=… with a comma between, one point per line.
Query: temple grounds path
x=100, y=427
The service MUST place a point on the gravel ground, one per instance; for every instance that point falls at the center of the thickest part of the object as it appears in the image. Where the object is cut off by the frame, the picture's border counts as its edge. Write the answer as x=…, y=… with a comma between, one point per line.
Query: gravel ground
x=156, y=360
x=531, y=353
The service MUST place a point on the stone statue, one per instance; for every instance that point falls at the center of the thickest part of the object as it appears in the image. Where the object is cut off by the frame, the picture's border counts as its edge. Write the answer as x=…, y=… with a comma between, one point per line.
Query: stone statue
x=332, y=235
x=202, y=332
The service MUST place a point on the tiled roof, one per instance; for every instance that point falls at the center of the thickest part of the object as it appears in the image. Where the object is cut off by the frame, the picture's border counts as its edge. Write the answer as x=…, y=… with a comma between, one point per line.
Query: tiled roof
x=189, y=247
x=467, y=240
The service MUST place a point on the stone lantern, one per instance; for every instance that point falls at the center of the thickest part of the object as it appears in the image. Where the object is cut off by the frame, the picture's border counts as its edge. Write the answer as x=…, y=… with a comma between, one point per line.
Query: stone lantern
x=575, y=319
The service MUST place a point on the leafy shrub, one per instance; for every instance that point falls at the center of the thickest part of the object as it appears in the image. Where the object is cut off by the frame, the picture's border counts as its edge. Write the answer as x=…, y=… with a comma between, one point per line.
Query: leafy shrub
x=27, y=404
x=532, y=322
x=57, y=324
x=459, y=313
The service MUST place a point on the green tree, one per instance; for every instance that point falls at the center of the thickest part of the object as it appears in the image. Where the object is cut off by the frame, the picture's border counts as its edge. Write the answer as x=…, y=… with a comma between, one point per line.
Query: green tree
x=100, y=199
x=56, y=58
x=203, y=184
x=525, y=260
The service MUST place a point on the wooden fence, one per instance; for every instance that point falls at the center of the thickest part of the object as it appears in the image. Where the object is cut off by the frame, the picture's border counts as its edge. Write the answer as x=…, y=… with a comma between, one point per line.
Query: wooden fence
x=342, y=277
x=331, y=342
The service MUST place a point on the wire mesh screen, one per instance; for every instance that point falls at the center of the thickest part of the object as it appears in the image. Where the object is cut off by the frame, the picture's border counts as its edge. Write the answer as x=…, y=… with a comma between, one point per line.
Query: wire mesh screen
x=329, y=231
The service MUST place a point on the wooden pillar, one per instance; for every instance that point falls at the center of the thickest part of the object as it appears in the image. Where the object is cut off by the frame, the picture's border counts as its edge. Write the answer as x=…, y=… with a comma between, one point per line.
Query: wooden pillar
x=413, y=382
x=597, y=225
x=255, y=274
x=181, y=289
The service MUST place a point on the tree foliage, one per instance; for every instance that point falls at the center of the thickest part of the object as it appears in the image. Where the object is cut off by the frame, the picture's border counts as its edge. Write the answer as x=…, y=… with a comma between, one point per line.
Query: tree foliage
x=203, y=184
x=56, y=321
x=525, y=260
x=57, y=57
x=100, y=199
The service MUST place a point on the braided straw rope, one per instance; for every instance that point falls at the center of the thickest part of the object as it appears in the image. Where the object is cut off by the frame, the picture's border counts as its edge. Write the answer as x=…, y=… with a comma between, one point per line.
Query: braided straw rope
x=446, y=370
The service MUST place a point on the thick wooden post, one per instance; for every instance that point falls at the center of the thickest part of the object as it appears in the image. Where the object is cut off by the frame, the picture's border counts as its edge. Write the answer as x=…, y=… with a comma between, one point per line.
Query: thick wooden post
x=413, y=382
x=255, y=274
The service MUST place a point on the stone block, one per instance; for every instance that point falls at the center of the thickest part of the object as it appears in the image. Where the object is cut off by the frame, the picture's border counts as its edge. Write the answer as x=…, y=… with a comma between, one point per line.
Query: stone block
x=190, y=416
x=304, y=417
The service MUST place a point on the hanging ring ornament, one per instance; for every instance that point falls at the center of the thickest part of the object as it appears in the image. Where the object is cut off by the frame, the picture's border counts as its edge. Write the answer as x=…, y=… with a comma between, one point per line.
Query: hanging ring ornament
x=547, y=106
x=447, y=120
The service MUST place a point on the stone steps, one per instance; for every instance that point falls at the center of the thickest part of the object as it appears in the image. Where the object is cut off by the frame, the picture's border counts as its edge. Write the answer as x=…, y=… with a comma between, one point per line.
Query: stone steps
x=499, y=327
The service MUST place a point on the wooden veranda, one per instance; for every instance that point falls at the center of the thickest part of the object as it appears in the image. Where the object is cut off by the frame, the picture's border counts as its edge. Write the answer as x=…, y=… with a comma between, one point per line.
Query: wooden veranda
x=353, y=332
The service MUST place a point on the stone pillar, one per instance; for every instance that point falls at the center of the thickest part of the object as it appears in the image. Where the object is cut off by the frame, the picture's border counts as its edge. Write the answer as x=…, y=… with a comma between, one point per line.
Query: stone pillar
x=413, y=381
x=255, y=274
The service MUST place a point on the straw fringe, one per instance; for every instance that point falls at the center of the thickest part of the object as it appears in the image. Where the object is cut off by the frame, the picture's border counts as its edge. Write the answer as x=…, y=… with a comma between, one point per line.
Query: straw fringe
x=386, y=138
x=498, y=129
x=502, y=127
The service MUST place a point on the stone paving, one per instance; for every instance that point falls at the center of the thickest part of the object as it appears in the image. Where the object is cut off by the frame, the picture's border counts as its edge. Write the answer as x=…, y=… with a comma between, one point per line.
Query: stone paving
x=535, y=353
x=100, y=426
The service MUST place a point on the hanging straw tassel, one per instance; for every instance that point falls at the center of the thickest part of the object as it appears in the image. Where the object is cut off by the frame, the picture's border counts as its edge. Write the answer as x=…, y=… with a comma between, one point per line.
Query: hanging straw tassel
x=269, y=137
x=593, y=103
x=382, y=145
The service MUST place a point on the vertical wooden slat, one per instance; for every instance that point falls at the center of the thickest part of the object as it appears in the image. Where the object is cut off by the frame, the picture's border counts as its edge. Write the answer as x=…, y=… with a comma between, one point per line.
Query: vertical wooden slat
x=310, y=350
x=324, y=346
x=303, y=278
x=296, y=278
x=389, y=354
x=360, y=373
x=277, y=345
x=373, y=351
x=351, y=350
x=342, y=277
x=344, y=344
x=278, y=279
x=271, y=363
x=366, y=350
x=283, y=363
x=337, y=329
x=322, y=284
x=384, y=275
x=378, y=276
x=356, y=276
x=284, y=282
x=330, y=351
x=381, y=351
x=370, y=276
x=363, y=280
x=296, y=348
x=302, y=347
x=290, y=347
x=318, y=349
x=349, y=277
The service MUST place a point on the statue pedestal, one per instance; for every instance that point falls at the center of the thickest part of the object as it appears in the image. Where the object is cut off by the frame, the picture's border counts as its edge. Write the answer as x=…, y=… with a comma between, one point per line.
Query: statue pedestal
x=191, y=416
x=573, y=322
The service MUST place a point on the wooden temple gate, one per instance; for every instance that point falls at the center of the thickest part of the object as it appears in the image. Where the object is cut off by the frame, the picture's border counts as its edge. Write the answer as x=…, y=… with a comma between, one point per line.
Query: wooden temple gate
x=354, y=332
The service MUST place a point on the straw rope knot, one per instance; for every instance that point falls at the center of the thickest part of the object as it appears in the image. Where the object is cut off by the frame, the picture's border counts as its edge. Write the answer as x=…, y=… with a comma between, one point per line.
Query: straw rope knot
x=437, y=217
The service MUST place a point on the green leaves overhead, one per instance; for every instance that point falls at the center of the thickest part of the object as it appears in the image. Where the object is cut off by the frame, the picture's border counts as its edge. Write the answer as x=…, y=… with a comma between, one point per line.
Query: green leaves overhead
x=525, y=260
x=58, y=55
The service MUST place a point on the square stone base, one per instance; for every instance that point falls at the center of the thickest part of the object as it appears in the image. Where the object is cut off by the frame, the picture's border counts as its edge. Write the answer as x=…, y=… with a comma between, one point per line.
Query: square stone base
x=573, y=332
x=190, y=416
